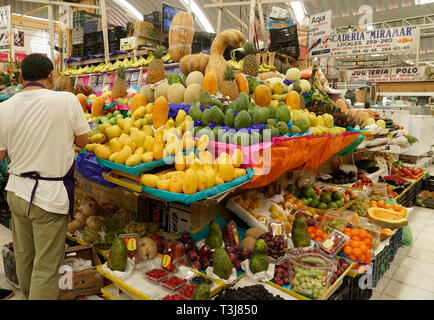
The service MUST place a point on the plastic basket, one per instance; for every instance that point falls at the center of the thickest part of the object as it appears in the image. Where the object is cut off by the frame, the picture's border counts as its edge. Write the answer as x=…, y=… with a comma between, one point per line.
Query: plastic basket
x=154, y=18
x=284, y=35
x=291, y=49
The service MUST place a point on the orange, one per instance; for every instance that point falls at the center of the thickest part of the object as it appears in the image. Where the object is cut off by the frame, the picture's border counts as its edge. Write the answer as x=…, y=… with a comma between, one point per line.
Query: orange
x=380, y=204
x=364, y=248
x=319, y=239
x=353, y=257
x=387, y=206
x=397, y=207
x=367, y=241
x=312, y=235
x=318, y=232
x=355, y=232
x=362, y=257
x=363, y=233
x=357, y=252
x=356, y=239
x=347, y=233
x=348, y=250
x=368, y=256
x=367, y=261
x=310, y=229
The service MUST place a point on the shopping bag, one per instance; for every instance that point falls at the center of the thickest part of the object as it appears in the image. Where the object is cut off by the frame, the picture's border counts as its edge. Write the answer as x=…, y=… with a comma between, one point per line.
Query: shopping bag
x=407, y=236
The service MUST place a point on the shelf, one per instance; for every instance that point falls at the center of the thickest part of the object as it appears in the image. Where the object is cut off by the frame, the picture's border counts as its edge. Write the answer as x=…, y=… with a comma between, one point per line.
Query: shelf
x=405, y=94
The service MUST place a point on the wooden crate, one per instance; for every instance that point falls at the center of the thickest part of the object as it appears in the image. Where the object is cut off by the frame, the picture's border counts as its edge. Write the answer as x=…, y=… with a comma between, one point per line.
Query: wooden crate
x=269, y=58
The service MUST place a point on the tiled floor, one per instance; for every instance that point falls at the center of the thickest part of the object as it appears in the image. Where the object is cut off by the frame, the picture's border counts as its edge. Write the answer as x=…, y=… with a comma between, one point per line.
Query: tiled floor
x=410, y=277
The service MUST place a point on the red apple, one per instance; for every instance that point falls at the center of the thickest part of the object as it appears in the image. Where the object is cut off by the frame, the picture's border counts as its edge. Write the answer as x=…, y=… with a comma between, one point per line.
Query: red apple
x=244, y=254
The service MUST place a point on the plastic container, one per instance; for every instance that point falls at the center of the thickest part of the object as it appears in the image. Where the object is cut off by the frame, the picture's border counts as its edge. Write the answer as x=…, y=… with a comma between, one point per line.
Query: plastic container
x=174, y=287
x=187, y=291
x=173, y=251
x=335, y=220
x=230, y=234
x=164, y=275
x=334, y=243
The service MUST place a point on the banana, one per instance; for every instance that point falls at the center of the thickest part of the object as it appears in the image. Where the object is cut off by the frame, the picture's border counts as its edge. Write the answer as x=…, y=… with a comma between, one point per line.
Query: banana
x=268, y=67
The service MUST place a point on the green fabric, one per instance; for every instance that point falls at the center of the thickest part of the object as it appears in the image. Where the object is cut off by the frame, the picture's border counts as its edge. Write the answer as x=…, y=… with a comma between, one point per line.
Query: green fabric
x=407, y=236
x=3, y=168
x=39, y=248
x=352, y=146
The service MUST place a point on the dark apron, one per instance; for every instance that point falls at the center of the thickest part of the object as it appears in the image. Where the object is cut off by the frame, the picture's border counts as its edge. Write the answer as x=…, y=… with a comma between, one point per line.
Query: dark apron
x=68, y=182
x=68, y=179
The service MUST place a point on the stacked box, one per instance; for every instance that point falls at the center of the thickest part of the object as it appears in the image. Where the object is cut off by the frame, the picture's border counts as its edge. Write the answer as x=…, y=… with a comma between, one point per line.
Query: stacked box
x=80, y=17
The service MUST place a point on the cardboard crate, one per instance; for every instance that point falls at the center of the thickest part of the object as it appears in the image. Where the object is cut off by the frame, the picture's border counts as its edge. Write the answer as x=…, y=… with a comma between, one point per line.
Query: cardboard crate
x=145, y=30
x=123, y=198
x=87, y=281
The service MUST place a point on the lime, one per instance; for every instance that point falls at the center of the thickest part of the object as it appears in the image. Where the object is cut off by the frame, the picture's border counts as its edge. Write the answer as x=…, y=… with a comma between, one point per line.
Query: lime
x=129, y=113
x=116, y=113
x=322, y=206
x=332, y=205
x=109, y=115
x=309, y=192
x=337, y=195
x=325, y=197
x=314, y=203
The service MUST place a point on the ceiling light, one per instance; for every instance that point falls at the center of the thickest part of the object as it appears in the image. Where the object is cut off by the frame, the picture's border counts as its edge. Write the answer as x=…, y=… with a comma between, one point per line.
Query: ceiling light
x=203, y=20
x=423, y=1
x=131, y=9
x=299, y=10
x=32, y=17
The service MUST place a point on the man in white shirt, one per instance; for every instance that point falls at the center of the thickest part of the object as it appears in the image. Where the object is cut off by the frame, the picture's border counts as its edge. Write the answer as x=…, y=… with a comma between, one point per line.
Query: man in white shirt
x=38, y=128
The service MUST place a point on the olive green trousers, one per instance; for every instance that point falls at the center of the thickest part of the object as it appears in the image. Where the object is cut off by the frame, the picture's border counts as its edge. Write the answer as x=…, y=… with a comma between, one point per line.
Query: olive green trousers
x=39, y=248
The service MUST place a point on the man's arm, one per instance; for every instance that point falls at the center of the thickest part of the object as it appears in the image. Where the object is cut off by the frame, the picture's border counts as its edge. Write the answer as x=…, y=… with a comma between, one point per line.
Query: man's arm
x=81, y=141
x=3, y=154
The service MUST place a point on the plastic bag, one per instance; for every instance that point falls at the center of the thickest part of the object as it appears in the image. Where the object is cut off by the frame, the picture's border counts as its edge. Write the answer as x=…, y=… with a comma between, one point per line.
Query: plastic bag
x=407, y=236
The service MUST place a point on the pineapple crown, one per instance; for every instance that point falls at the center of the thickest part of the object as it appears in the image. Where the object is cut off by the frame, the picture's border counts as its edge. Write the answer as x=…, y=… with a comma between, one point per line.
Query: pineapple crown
x=121, y=72
x=159, y=52
x=249, y=48
x=229, y=74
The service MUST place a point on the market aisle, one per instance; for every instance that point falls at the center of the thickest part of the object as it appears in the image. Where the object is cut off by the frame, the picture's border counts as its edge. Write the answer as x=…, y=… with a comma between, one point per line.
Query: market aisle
x=411, y=274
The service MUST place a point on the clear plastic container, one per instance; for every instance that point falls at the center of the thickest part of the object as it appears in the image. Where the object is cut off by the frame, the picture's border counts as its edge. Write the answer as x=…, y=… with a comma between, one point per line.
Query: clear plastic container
x=230, y=234
x=334, y=243
x=173, y=251
x=187, y=291
x=373, y=230
x=378, y=192
x=335, y=220
x=154, y=278
x=174, y=287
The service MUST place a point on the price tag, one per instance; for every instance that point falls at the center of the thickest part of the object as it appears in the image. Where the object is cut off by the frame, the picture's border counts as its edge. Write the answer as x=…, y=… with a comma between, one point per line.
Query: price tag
x=166, y=261
x=131, y=244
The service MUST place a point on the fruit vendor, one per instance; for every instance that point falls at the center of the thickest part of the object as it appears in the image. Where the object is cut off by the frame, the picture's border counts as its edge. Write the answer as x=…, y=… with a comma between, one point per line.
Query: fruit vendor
x=38, y=129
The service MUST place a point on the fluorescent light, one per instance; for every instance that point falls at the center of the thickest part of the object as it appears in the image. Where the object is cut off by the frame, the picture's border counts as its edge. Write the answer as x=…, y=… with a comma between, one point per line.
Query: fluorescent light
x=32, y=17
x=203, y=20
x=299, y=10
x=131, y=9
x=423, y=1
x=369, y=27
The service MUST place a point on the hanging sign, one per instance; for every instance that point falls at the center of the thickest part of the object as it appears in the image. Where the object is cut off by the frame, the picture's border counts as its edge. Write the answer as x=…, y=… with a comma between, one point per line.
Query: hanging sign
x=373, y=75
x=381, y=41
x=5, y=28
x=408, y=74
x=319, y=34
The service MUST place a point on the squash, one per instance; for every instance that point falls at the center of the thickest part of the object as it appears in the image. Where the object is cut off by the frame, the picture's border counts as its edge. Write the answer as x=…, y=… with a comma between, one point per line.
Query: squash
x=97, y=107
x=217, y=63
x=262, y=96
x=148, y=249
x=83, y=101
x=386, y=218
x=341, y=104
x=242, y=83
x=210, y=83
x=181, y=35
x=193, y=62
x=161, y=112
x=139, y=100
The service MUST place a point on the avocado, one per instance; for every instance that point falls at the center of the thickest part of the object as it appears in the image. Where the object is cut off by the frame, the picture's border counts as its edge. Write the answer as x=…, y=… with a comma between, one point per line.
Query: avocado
x=216, y=115
x=230, y=118
x=205, y=99
x=282, y=127
x=205, y=117
x=294, y=129
x=242, y=120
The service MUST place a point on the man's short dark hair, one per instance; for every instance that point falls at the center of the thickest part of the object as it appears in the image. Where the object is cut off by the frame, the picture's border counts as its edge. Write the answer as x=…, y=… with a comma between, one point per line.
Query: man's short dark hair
x=36, y=67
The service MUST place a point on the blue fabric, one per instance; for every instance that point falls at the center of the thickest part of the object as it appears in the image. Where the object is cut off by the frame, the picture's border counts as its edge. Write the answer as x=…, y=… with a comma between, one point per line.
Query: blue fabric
x=86, y=164
x=140, y=168
x=190, y=198
x=288, y=82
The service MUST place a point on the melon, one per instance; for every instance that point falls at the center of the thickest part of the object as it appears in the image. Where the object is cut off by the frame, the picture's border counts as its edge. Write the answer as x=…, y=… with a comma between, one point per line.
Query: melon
x=192, y=93
x=387, y=218
x=194, y=77
x=161, y=90
x=175, y=93
x=148, y=93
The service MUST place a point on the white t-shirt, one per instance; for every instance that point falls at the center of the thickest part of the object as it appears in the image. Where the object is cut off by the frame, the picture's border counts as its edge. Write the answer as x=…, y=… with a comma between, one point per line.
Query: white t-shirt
x=38, y=128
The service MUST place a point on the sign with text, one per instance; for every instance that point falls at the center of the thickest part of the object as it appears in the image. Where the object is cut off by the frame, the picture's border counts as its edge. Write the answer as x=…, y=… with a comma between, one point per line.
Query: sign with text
x=5, y=28
x=408, y=74
x=373, y=75
x=320, y=34
x=396, y=74
x=381, y=41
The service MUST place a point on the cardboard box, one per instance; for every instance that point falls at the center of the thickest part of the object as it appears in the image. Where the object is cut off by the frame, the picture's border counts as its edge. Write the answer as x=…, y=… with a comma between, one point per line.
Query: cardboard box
x=131, y=43
x=146, y=30
x=85, y=282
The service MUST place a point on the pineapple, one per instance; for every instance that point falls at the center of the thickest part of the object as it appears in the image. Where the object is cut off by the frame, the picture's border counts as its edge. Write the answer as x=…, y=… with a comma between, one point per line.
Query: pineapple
x=250, y=65
x=119, y=89
x=229, y=86
x=156, y=67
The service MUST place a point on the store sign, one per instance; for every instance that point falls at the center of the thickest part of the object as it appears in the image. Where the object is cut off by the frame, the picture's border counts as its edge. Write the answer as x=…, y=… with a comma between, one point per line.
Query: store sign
x=4, y=56
x=408, y=74
x=381, y=41
x=396, y=74
x=5, y=28
x=319, y=34
x=373, y=75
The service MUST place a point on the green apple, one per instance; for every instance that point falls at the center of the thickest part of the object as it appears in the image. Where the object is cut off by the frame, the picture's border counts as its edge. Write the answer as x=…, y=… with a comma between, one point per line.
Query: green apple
x=95, y=120
x=113, y=121
x=109, y=115
x=119, y=116
x=106, y=121
x=116, y=113
x=129, y=113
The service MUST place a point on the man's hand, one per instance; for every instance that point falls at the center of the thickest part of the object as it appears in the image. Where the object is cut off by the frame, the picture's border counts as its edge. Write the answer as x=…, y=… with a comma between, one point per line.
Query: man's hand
x=3, y=154
x=81, y=141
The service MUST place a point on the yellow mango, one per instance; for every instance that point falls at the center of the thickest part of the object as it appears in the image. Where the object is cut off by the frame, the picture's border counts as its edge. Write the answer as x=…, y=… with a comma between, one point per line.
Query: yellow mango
x=120, y=123
x=157, y=150
x=206, y=157
x=201, y=180
x=98, y=138
x=159, y=135
x=148, y=130
x=90, y=147
x=113, y=156
x=149, y=108
x=102, y=152
x=188, y=124
x=237, y=158
x=148, y=145
x=147, y=157
x=113, y=132
x=207, y=166
x=187, y=141
x=139, y=113
x=176, y=183
x=148, y=118
x=128, y=124
x=179, y=162
x=138, y=137
x=238, y=172
x=189, y=183
x=180, y=117
x=133, y=160
x=196, y=165
x=226, y=172
x=189, y=159
x=210, y=178
x=163, y=184
x=115, y=145
x=203, y=143
x=319, y=121
x=102, y=127
x=224, y=158
x=169, y=124
x=218, y=180
x=149, y=180
x=123, y=154
x=138, y=123
x=140, y=151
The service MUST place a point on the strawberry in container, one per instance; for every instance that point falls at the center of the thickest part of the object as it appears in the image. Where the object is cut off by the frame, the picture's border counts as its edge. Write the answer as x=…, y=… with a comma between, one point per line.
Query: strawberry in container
x=174, y=251
x=230, y=235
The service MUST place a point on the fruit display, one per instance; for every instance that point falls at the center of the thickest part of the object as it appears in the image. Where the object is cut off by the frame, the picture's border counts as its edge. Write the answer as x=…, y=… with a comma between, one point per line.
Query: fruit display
x=174, y=250
x=341, y=266
x=201, y=292
x=175, y=296
x=253, y=292
x=408, y=172
x=387, y=216
x=276, y=244
x=187, y=291
x=316, y=233
x=259, y=261
x=360, y=245
x=362, y=181
x=117, y=260
x=281, y=274
x=334, y=220
x=334, y=242
x=156, y=275
x=173, y=283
